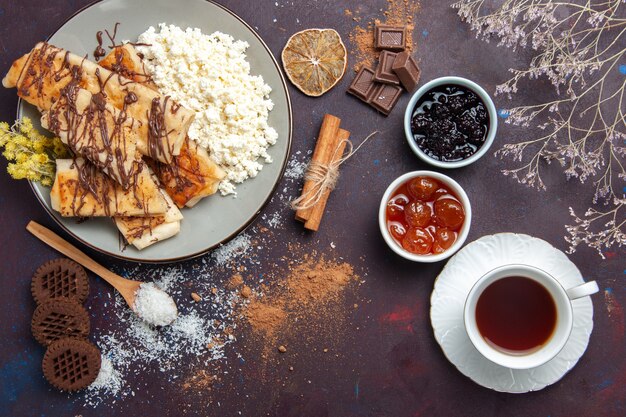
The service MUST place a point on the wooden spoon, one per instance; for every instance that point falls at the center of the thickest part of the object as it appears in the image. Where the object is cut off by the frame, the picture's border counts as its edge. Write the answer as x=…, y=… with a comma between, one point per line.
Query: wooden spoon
x=128, y=288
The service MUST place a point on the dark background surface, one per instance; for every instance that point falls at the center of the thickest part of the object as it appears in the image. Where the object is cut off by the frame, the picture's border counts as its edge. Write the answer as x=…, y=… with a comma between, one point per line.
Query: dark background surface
x=387, y=367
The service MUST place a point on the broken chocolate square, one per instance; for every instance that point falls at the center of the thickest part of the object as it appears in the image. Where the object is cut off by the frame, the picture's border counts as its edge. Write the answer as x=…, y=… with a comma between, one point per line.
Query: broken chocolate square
x=363, y=85
x=384, y=73
x=385, y=98
x=388, y=37
x=407, y=70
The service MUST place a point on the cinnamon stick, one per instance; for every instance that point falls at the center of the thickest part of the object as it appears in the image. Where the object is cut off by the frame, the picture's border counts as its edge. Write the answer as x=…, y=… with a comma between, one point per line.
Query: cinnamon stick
x=324, y=149
x=317, y=211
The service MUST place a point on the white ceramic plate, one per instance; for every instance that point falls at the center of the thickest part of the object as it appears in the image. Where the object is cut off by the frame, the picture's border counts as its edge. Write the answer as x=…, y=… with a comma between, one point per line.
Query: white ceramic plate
x=216, y=219
x=456, y=280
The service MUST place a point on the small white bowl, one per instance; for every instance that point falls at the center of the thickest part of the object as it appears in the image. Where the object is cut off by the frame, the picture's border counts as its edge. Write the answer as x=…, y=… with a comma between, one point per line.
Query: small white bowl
x=491, y=131
x=448, y=182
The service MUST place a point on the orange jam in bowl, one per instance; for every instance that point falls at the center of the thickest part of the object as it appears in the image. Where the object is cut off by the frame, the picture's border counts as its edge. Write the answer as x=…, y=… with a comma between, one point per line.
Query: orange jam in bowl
x=425, y=215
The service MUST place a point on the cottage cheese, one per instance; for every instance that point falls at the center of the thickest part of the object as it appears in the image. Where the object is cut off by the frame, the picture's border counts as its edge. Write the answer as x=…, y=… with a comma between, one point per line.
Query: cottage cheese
x=210, y=75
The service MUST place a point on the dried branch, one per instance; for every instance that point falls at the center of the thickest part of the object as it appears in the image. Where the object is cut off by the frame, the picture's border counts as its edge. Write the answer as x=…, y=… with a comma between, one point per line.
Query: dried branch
x=581, y=49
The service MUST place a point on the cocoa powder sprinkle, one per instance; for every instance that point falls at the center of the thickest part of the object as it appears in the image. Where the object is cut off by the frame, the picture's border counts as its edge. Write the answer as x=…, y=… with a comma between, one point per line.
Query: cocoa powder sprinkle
x=265, y=317
x=246, y=292
x=235, y=281
x=307, y=288
x=397, y=13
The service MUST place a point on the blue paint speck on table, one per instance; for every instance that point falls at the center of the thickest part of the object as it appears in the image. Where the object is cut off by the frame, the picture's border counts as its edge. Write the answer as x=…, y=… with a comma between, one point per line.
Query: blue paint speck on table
x=377, y=162
x=605, y=384
x=503, y=113
x=424, y=33
x=356, y=390
x=622, y=69
x=14, y=377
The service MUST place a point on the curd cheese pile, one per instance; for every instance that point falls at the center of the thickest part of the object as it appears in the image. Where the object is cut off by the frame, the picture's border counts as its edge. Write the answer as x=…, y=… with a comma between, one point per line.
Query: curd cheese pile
x=209, y=74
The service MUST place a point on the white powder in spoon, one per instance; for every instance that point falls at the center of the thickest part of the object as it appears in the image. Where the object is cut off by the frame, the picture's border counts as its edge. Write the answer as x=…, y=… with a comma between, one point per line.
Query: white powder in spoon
x=154, y=305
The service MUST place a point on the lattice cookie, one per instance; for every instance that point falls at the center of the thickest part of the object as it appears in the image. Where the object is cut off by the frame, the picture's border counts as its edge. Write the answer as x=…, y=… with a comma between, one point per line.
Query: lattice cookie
x=60, y=278
x=58, y=318
x=71, y=364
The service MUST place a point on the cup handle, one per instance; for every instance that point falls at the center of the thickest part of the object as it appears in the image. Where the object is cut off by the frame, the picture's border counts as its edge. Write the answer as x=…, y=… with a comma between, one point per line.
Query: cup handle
x=583, y=290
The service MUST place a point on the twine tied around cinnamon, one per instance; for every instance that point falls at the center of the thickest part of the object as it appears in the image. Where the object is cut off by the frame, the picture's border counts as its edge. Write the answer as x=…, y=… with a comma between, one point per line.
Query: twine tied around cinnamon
x=324, y=177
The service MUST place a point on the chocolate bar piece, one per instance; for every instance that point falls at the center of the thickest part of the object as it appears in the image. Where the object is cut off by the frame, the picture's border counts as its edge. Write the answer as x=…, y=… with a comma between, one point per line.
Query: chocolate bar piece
x=385, y=98
x=384, y=73
x=388, y=37
x=363, y=85
x=407, y=70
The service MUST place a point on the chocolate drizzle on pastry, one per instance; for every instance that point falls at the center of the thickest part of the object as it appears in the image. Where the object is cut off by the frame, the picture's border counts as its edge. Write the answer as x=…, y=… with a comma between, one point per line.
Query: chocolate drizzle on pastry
x=99, y=52
x=46, y=70
x=122, y=64
x=87, y=131
x=157, y=131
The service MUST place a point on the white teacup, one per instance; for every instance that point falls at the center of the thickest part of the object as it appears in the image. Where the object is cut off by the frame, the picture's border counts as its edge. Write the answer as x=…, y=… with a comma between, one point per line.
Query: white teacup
x=564, y=316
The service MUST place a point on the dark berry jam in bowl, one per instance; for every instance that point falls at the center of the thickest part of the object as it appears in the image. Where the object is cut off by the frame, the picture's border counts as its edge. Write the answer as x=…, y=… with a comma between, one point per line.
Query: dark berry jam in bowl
x=425, y=216
x=450, y=122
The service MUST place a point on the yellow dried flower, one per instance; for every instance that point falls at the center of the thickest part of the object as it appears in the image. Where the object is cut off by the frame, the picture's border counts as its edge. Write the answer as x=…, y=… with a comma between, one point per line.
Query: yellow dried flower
x=31, y=155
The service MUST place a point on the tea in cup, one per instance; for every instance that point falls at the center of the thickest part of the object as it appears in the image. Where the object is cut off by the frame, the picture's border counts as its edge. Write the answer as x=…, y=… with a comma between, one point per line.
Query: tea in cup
x=519, y=316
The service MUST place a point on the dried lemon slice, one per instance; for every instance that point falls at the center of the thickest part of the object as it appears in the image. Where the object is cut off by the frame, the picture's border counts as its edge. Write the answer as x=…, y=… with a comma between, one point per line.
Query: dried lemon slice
x=315, y=60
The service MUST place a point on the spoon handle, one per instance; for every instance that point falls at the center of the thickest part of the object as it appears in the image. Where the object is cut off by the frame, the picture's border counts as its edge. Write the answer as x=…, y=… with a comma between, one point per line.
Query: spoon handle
x=57, y=242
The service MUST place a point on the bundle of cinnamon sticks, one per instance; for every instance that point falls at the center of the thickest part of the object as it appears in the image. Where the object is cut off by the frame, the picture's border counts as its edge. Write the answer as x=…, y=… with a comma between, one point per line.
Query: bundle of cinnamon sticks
x=331, y=144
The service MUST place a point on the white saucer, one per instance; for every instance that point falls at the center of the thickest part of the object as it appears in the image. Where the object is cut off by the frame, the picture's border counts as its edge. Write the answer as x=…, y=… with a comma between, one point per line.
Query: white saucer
x=456, y=280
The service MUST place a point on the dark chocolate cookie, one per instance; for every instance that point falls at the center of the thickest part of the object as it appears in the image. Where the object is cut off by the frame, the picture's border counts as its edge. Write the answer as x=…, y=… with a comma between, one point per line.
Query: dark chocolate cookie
x=71, y=364
x=60, y=278
x=58, y=318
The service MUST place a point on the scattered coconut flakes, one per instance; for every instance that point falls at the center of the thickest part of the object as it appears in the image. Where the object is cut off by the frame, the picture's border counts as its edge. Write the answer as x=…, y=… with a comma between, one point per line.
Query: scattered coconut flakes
x=239, y=246
x=292, y=178
x=274, y=220
x=109, y=380
x=198, y=336
x=189, y=331
x=295, y=169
